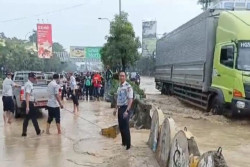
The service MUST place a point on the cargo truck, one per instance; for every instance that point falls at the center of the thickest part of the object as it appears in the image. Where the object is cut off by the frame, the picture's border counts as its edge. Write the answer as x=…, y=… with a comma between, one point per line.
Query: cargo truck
x=206, y=62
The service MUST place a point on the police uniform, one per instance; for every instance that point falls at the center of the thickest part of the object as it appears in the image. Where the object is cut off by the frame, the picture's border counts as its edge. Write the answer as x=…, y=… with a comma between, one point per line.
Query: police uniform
x=28, y=88
x=124, y=93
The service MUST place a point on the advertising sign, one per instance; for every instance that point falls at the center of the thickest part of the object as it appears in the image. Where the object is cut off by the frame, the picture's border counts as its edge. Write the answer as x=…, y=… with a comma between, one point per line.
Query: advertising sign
x=93, y=53
x=77, y=52
x=149, y=38
x=44, y=40
x=89, y=53
x=149, y=29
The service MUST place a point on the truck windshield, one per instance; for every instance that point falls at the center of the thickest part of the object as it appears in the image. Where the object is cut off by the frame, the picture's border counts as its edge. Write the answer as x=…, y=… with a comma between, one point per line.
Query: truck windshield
x=243, y=60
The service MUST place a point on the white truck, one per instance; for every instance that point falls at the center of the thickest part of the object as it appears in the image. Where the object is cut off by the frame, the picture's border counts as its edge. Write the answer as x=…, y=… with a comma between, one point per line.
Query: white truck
x=40, y=91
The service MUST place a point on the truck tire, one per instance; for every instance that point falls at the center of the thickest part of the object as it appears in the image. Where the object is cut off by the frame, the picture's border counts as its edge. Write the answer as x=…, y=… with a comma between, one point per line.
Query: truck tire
x=216, y=107
x=17, y=111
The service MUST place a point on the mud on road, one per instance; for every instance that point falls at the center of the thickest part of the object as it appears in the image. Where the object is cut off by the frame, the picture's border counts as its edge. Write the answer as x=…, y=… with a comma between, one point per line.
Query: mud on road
x=211, y=131
x=80, y=143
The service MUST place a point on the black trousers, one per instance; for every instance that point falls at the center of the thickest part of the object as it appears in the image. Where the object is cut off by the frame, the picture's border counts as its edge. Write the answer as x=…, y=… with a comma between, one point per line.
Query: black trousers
x=63, y=92
x=54, y=112
x=124, y=126
x=74, y=98
x=87, y=88
x=33, y=116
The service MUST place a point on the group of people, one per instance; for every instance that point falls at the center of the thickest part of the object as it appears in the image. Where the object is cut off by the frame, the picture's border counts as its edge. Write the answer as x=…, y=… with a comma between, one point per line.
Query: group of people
x=124, y=101
x=90, y=86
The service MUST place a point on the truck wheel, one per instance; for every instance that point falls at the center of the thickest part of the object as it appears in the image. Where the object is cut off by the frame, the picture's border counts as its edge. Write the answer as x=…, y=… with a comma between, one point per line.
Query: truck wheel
x=17, y=111
x=163, y=89
x=216, y=107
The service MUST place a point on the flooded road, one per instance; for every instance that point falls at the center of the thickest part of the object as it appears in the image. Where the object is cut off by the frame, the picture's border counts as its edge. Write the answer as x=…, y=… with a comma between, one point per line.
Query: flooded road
x=211, y=131
x=80, y=144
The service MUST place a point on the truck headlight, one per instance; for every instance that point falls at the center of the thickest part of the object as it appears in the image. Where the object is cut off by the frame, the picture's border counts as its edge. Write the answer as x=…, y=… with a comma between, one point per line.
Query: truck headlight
x=240, y=104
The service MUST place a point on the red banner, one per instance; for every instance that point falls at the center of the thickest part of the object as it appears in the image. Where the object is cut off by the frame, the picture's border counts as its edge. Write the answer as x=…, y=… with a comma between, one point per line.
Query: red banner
x=44, y=40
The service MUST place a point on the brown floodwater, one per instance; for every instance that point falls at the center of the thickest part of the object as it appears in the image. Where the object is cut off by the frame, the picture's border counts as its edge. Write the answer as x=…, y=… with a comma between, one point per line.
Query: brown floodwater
x=80, y=144
x=210, y=131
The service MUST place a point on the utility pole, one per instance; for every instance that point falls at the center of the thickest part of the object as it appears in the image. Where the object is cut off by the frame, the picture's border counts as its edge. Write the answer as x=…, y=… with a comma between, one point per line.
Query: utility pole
x=120, y=7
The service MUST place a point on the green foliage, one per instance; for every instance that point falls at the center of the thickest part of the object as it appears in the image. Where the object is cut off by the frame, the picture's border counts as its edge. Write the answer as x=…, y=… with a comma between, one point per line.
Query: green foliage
x=57, y=47
x=1, y=83
x=205, y=3
x=121, y=49
x=16, y=55
x=114, y=87
x=115, y=84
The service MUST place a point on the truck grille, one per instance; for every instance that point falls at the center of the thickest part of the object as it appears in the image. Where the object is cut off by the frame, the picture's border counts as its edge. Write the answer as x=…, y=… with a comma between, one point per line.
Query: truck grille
x=247, y=90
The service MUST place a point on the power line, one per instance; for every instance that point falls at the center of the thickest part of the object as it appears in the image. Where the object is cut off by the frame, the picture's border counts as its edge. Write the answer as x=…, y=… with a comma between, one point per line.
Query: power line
x=44, y=13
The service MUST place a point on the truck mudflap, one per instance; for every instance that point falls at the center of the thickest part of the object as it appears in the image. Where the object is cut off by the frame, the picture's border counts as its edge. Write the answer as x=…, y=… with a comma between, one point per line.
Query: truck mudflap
x=240, y=106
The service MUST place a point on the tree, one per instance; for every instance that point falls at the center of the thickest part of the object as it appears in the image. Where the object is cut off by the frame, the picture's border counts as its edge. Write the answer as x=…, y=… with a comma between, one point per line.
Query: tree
x=205, y=3
x=121, y=49
x=33, y=37
x=57, y=47
x=15, y=55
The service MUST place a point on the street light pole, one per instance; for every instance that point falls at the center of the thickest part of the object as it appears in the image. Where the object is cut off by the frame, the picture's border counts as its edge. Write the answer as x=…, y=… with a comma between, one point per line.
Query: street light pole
x=120, y=7
x=100, y=18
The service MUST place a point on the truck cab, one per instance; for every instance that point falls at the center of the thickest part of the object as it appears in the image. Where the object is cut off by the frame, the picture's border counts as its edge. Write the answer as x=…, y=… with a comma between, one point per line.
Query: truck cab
x=231, y=67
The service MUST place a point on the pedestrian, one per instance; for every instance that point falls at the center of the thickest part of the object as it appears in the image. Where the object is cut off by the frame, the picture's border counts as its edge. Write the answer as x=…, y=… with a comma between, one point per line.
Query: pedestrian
x=108, y=77
x=31, y=112
x=73, y=88
x=91, y=91
x=124, y=103
x=88, y=84
x=54, y=103
x=7, y=98
x=64, y=89
x=97, y=85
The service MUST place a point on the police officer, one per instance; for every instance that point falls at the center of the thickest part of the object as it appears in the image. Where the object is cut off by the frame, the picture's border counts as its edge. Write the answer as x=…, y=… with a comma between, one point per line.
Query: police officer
x=124, y=103
x=8, y=104
x=29, y=105
x=54, y=103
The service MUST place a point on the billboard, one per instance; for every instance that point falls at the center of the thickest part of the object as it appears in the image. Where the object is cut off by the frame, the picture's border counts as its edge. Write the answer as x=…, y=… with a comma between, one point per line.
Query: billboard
x=88, y=53
x=149, y=29
x=149, y=38
x=77, y=52
x=44, y=40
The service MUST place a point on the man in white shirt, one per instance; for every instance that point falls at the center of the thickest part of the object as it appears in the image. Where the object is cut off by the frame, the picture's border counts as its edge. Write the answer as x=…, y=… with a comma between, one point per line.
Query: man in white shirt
x=8, y=104
x=31, y=112
x=54, y=103
x=73, y=88
x=124, y=103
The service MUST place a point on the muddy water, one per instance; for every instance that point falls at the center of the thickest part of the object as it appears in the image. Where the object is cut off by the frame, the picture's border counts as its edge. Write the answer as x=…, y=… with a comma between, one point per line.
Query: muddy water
x=80, y=144
x=210, y=131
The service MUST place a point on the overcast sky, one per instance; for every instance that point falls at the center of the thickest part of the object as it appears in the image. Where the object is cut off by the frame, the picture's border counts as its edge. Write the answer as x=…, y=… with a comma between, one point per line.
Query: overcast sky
x=75, y=22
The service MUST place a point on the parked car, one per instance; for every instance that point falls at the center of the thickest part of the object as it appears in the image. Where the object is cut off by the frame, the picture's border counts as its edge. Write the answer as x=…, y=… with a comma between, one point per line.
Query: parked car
x=40, y=91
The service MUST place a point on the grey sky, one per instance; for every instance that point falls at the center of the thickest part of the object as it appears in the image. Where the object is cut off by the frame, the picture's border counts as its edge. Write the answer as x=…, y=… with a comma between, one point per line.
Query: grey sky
x=79, y=25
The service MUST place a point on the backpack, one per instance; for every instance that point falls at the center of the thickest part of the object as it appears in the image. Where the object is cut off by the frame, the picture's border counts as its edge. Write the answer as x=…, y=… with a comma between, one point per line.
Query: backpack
x=88, y=82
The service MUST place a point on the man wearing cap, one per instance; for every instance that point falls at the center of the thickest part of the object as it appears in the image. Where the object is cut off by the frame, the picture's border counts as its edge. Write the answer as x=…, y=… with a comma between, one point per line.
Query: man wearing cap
x=29, y=105
x=124, y=103
x=8, y=104
x=54, y=103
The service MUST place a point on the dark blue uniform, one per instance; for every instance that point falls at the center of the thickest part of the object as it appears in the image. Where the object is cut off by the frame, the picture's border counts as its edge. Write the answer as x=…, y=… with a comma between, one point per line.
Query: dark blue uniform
x=124, y=93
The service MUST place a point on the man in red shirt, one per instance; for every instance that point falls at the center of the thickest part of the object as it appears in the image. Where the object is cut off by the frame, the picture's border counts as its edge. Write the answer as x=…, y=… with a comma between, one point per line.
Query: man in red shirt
x=97, y=85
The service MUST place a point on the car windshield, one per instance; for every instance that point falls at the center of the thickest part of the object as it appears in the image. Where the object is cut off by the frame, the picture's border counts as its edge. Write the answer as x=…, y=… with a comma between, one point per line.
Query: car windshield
x=243, y=61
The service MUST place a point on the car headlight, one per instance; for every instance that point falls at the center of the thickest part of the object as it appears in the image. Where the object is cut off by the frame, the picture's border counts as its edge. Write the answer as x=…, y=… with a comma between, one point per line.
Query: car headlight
x=240, y=104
